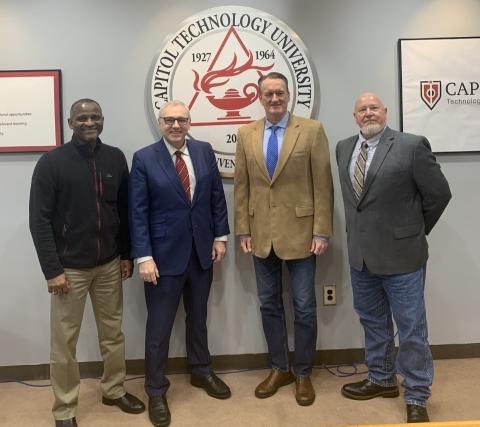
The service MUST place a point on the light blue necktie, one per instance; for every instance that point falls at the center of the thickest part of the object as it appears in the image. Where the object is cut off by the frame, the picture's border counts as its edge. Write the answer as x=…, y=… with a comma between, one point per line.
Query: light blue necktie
x=272, y=151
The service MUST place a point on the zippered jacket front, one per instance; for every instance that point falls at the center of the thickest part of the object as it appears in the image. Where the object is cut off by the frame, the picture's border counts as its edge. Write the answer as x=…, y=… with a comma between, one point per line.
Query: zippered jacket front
x=79, y=207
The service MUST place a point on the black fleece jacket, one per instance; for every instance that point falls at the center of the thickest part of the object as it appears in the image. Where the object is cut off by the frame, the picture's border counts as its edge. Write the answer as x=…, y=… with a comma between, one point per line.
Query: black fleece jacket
x=79, y=207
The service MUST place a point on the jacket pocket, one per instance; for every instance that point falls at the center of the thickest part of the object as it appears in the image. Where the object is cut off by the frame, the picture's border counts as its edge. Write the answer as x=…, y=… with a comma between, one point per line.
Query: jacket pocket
x=298, y=154
x=301, y=211
x=407, y=231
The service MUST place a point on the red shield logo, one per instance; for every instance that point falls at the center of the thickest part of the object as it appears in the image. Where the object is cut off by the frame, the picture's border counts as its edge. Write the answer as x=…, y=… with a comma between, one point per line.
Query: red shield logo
x=430, y=92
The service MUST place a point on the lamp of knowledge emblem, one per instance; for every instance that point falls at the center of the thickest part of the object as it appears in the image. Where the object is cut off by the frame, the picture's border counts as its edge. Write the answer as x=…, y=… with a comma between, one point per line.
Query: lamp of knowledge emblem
x=212, y=64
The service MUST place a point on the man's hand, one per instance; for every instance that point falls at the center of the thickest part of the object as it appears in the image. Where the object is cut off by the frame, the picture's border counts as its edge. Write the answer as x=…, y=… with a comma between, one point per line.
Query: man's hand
x=319, y=246
x=219, y=250
x=246, y=244
x=58, y=285
x=148, y=271
x=126, y=267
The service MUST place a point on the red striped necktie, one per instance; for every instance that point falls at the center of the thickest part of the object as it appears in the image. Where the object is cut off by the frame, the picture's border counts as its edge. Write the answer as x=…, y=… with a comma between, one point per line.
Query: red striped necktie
x=182, y=171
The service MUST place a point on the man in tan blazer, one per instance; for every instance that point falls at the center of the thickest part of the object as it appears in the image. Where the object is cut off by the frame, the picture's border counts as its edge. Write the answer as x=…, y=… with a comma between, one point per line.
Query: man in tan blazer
x=283, y=212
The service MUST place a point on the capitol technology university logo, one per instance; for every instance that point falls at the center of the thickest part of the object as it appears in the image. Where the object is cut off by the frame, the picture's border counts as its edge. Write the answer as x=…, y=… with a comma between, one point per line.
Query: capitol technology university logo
x=213, y=64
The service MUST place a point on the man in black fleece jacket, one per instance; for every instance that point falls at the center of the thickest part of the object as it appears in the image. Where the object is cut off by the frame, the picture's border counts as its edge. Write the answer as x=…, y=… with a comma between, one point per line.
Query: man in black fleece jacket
x=79, y=225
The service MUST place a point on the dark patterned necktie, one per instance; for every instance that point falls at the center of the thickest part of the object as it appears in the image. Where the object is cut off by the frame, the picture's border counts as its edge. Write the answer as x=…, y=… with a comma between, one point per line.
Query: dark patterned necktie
x=182, y=171
x=272, y=151
x=359, y=170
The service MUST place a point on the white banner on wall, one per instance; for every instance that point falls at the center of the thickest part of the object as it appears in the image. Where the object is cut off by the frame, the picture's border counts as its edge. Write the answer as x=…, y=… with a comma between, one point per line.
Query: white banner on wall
x=440, y=91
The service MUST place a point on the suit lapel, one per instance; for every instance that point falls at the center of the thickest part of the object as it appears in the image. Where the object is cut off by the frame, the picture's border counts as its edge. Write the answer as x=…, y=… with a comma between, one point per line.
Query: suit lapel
x=289, y=140
x=196, y=162
x=257, y=141
x=166, y=164
x=344, y=163
x=381, y=152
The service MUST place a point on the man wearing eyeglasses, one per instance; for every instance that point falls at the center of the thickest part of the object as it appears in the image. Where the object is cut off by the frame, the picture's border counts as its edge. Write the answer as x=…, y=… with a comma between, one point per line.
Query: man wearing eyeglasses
x=179, y=227
x=283, y=214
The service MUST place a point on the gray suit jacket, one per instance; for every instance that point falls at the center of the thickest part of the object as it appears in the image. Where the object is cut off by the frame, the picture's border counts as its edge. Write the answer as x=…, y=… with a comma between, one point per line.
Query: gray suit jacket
x=404, y=195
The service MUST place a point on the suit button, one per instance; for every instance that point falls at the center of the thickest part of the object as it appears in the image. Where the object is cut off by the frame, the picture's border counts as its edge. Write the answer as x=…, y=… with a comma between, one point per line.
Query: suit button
x=359, y=209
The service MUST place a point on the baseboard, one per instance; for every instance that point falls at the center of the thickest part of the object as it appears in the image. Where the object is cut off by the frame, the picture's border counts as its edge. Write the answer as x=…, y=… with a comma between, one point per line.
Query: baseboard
x=230, y=362
x=475, y=423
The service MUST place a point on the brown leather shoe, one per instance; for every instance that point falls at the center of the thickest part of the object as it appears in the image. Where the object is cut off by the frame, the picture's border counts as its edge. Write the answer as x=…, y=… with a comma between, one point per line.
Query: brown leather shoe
x=305, y=393
x=273, y=382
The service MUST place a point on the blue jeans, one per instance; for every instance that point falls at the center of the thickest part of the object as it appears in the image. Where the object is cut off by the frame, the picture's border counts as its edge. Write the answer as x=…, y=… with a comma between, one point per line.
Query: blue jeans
x=376, y=297
x=268, y=272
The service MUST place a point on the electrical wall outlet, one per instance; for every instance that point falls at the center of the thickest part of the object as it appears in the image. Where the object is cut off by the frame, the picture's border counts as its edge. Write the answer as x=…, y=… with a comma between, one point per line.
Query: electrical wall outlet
x=329, y=295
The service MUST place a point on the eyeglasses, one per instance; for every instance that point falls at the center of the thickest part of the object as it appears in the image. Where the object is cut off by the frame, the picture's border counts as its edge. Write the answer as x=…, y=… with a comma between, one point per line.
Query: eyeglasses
x=169, y=121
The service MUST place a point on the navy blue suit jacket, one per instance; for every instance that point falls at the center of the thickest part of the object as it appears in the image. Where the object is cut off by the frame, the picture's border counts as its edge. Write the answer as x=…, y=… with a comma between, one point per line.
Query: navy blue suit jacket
x=163, y=223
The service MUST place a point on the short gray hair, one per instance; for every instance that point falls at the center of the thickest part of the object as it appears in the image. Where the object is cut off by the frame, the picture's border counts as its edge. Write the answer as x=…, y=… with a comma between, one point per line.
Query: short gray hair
x=173, y=104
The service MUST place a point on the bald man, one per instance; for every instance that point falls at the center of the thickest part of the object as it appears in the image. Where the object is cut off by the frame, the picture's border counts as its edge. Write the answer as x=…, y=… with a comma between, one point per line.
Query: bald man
x=394, y=193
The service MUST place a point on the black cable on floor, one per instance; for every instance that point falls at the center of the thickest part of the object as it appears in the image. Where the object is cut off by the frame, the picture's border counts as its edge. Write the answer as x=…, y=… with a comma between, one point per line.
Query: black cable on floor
x=336, y=370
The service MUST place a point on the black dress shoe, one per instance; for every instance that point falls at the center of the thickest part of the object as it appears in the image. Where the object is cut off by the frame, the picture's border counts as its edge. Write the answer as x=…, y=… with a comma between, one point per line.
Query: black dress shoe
x=213, y=385
x=364, y=390
x=417, y=414
x=158, y=411
x=71, y=422
x=127, y=403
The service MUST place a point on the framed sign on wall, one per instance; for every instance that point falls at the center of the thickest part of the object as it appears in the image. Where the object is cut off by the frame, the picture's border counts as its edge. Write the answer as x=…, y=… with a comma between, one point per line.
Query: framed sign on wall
x=440, y=91
x=30, y=110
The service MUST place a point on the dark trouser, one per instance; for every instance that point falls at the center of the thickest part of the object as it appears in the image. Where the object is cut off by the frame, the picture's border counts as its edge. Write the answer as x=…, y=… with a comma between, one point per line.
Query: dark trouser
x=162, y=303
x=268, y=272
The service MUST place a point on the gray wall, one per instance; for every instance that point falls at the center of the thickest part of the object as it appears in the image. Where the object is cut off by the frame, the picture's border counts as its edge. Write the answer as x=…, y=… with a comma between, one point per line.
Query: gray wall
x=105, y=48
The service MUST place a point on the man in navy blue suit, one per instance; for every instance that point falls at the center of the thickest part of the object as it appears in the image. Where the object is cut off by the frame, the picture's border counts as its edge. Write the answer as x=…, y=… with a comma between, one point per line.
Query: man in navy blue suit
x=179, y=227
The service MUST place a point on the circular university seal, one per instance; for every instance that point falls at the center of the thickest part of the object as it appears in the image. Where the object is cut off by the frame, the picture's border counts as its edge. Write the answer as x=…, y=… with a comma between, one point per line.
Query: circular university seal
x=212, y=64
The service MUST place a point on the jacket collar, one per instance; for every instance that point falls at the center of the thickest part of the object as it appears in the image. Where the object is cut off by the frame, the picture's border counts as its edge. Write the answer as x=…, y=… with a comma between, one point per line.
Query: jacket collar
x=164, y=158
x=381, y=152
x=290, y=138
x=85, y=148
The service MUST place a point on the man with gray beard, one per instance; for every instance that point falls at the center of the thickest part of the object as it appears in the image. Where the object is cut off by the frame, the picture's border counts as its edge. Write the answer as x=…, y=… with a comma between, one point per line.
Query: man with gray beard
x=394, y=193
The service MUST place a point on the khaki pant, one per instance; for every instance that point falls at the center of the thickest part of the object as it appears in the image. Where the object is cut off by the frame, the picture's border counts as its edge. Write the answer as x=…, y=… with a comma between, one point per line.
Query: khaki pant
x=104, y=284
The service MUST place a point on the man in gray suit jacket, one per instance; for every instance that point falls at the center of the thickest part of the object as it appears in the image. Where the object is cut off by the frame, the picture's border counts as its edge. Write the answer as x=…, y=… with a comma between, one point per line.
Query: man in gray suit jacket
x=394, y=193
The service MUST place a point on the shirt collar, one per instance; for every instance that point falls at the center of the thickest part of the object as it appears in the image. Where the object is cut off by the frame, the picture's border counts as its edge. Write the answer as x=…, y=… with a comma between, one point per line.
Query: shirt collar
x=281, y=124
x=172, y=150
x=372, y=142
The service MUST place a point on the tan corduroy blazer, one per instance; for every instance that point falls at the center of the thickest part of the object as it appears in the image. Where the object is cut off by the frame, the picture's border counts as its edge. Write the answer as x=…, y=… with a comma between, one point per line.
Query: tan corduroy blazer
x=284, y=212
